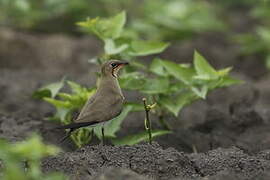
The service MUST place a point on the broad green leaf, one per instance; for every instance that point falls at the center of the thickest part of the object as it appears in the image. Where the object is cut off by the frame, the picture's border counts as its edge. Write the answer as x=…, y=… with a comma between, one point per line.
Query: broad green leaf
x=75, y=88
x=157, y=67
x=50, y=90
x=34, y=149
x=229, y=81
x=181, y=73
x=76, y=100
x=155, y=86
x=111, y=48
x=137, y=138
x=58, y=103
x=61, y=113
x=203, y=68
x=177, y=87
x=138, y=65
x=264, y=33
x=91, y=25
x=62, y=109
x=224, y=72
x=144, y=48
x=112, y=126
x=106, y=28
x=65, y=96
x=174, y=105
x=13, y=171
x=132, y=81
x=200, y=92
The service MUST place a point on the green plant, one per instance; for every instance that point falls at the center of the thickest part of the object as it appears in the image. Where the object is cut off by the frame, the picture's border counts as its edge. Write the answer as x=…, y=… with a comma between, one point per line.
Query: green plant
x=257, y=41
x=30, y=151
x=174, y=19
x=57, y=15
x=171, y=86
x=179, y=20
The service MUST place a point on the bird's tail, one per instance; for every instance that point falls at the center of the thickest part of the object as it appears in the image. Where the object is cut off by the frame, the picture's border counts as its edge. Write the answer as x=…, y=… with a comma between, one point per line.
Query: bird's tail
x=75, y=125
x=72, y=127
x=66, y=136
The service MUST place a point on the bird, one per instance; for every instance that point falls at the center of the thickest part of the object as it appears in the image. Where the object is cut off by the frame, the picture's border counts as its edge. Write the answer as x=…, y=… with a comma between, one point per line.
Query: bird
x=105, y=104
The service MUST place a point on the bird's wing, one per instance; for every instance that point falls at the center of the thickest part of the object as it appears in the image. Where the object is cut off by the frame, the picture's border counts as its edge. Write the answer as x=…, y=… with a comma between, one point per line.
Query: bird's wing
x=101, y=109
x=88, y=104
x=76, y=125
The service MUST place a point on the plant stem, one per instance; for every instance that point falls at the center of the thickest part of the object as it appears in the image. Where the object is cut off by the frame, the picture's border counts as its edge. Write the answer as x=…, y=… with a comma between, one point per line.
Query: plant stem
x=148, y=122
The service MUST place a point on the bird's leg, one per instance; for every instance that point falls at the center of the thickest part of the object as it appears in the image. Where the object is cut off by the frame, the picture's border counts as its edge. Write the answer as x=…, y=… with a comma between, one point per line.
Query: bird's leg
x=103, y=136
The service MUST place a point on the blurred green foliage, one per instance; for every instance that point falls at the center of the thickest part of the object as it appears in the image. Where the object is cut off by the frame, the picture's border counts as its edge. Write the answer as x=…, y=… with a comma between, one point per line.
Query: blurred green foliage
x=21, y=160
x=161, y=19
x=172, y=86
x=257, y=41
x=176, y=19
x=53, y=15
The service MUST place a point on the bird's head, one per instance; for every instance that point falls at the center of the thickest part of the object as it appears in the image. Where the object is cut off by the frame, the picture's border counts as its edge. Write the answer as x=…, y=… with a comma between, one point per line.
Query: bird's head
x=111, y=68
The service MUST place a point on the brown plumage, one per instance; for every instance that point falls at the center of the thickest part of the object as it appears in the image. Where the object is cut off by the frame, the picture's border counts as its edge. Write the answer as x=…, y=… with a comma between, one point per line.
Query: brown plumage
x=106, y=103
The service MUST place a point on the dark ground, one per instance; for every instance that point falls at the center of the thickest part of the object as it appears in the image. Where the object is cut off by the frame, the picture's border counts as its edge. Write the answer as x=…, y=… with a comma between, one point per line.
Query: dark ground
x=230, y=130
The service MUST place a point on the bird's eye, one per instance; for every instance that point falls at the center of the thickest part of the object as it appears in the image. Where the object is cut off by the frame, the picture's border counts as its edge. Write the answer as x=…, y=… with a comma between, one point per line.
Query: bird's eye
x=113, y=65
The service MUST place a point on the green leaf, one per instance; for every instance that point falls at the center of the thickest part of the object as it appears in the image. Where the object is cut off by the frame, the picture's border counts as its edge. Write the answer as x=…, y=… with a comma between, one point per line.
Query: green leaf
x=144, y=48
x=155, y=86
x=106, y=28
x=224, y=72
x=76, y=88
x=65, y=96
x=203, y=68
x=181, y=73
x=58, y=103
x=50, y=90
x=157, y=67
x=200, y=92
x=111, y=48
x=82, y=136
x=264, y=33
x=229, y=81
x=34, y=149
x=137, y=138
x=177, y=87
x=175, y=104
x=138, y=65
x=55, y=176
x=61, y=113
x=132, y=81
x=113, y=125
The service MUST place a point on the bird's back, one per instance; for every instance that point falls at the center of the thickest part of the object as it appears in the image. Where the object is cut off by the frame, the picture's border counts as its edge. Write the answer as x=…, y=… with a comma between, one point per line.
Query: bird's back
x=104, y=105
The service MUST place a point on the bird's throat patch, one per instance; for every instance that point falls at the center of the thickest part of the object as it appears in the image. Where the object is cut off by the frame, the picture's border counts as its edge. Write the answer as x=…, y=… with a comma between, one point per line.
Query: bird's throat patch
x=115, y=71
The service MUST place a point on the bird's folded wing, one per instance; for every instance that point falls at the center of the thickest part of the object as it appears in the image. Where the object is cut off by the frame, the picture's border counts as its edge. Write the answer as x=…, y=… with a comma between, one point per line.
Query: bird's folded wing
x=101, y=110
x=76, y=125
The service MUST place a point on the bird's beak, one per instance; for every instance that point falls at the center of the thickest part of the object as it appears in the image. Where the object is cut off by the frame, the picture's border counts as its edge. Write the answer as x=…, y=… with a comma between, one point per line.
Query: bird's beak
x=123, y=63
